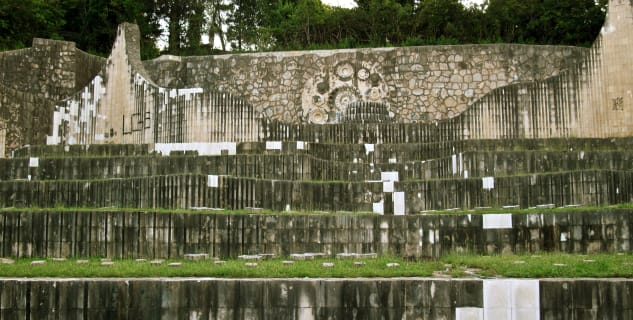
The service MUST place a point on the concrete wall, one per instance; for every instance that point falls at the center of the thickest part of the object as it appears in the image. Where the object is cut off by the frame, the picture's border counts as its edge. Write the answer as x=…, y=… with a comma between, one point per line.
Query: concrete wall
x=414, y=298
x=417, y=83
x=487, y=92
x=33, y=81
x=323, y=177
x=168, y=235
x=592, y=187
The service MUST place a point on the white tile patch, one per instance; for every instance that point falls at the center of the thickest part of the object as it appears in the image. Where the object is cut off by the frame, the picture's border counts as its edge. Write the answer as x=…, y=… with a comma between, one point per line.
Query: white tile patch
x=563, y=236
x=273, y=145
x=488, y=183
x=526, y=303
x=469, y=314
x=212, y=181
x=369, y=148
x=399, y=208
x=389, y=176
x=497, y=221
x=34, y=162
x=3, y=135
x=378, y=207
x=511, y=299
x=387, y=186
x=301, y=145
x=454, y=162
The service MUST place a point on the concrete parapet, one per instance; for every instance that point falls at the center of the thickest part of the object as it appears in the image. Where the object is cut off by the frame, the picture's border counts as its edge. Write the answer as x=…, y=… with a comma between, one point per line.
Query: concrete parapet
x=169, y=235
x=415, y=298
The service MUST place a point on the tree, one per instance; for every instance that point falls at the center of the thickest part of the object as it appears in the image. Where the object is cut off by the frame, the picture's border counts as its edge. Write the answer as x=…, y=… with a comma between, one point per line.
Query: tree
x=215, y=11
x=21, y=21
x=93, y=24
x=244, y=21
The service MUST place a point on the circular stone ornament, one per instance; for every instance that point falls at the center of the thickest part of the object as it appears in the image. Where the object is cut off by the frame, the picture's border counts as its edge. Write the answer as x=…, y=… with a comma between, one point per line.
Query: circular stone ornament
x=363, y=74
x=374, y=94
x=317, y=116
x=342, y=97
x=345, y=70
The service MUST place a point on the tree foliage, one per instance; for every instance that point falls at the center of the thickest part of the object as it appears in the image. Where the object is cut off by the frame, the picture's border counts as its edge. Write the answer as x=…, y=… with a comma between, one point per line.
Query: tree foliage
x=246, y=25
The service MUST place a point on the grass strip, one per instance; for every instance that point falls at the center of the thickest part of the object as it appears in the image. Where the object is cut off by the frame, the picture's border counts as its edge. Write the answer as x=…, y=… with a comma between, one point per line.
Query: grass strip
x=541, y=266
x=450, y=266
x=273, y=268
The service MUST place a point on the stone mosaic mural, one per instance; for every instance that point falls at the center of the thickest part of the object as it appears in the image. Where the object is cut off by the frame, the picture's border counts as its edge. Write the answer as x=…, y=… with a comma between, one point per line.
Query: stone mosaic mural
x=537, y=91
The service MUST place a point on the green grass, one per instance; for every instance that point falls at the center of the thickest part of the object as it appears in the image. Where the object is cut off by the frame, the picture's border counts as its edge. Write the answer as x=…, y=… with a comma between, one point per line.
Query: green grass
x=542, y=266
x=455, y=266
x=232, y=269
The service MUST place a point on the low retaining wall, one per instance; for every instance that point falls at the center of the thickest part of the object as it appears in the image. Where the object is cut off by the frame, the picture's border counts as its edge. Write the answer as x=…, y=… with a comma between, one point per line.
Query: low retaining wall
x=184, y=191
x=410, y=298
x=168, y=235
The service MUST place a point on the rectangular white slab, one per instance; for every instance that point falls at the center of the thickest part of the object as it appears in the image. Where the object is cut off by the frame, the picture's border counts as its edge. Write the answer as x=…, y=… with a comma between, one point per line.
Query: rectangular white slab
x=488, y=183
x=497, y=221
x=512, y=299
x=34, y=162
x=387, y=186
x=399, y=208
x=212, y=181
x=273, y=145
x=525, y=300
x=389, y=176
x=378, y=207
x=369, y=148
x=469, y=314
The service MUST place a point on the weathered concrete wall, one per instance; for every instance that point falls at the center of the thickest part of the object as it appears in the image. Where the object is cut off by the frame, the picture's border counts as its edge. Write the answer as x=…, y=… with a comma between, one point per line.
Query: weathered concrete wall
x=323, y=177
x=487, y=92
x=26, y=117
x=591, y=99
x=326, y=177
x=168, y=235
x=413, y=298
x=319, y=163
x=45, y=69
x=600, y=188
x=123, y=105
x=417, y=83
x=33, y=81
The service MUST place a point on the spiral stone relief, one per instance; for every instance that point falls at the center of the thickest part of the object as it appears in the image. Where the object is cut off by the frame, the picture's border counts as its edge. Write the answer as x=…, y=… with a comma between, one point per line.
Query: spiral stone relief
x=345, y=70
x=328, y=92
x=363, y=74
x=342, y=97
x=318, y=116
x=374, y=95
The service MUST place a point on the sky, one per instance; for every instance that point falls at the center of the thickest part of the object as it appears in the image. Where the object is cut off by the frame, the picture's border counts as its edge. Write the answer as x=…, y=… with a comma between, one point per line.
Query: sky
x=351, y=3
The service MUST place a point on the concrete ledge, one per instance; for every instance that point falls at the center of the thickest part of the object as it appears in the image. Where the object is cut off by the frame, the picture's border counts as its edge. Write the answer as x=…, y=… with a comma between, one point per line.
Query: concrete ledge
x=365, y=298
x=151, y=235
